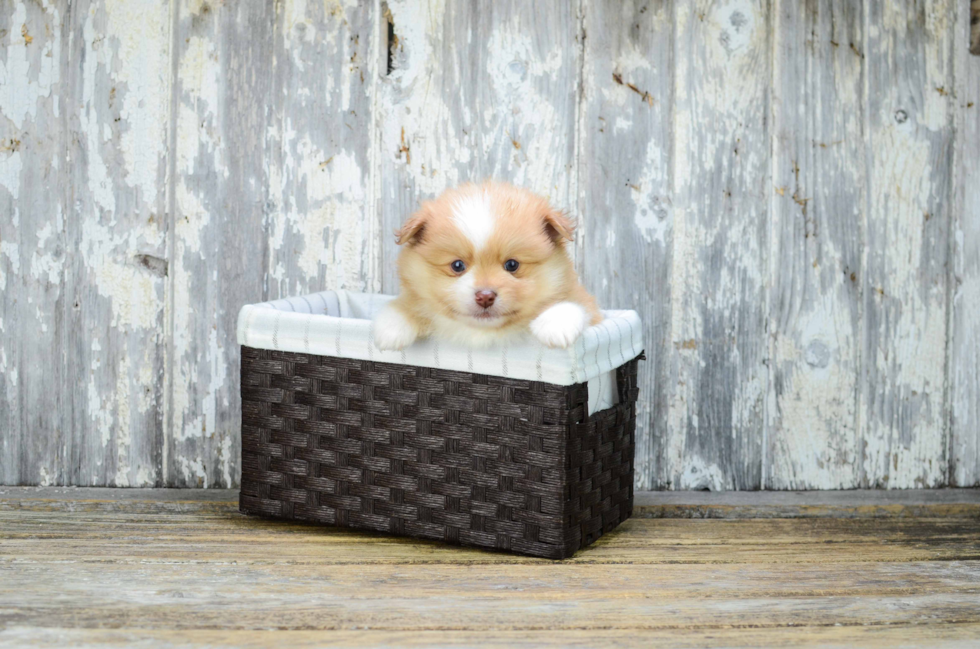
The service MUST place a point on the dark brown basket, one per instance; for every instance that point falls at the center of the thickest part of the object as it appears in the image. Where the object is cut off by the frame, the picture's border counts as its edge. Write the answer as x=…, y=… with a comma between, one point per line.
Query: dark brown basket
x=464, y=458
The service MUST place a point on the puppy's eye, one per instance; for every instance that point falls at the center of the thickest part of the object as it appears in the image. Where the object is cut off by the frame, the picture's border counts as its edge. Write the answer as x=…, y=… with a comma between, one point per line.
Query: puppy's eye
x=511, y=265
x=458, y=266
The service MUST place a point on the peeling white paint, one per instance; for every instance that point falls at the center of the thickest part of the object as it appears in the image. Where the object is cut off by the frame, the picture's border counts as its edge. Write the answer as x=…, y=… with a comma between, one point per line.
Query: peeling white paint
x=123, y=426
x=139, y=33
x=193, y=472
x=11, y=251
x=192, y=222
x=226, y=459
x=100, y=410
x=699, y=475
x=99, y=182
x=724, y=85
x=47, y=266
x=200, y=83
x=733, y=25
x=813, y=439
x=10, y=172
x=133, y=292
x=903, y=404
x=26, y=75
x=652, y=214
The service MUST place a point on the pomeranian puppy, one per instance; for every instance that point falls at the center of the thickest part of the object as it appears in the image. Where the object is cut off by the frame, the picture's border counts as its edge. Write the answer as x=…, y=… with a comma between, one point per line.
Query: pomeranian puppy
x=484, y=263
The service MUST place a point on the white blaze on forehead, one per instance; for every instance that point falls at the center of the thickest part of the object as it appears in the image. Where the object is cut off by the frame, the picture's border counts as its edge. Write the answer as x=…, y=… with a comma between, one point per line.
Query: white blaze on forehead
x=474, y=218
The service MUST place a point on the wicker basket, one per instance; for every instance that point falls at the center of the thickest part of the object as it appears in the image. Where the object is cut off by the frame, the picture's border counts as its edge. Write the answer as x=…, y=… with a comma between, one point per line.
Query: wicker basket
x=456, y=456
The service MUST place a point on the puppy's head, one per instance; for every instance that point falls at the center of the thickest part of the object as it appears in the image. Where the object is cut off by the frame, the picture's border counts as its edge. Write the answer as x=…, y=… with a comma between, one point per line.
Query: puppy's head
x=489, y=255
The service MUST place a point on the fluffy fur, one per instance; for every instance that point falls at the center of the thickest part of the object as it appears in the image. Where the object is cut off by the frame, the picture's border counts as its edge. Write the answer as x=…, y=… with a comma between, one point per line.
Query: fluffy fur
x=483, y=227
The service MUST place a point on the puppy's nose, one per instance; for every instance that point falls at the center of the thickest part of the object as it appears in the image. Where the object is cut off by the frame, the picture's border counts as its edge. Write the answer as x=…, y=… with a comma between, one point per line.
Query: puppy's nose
x=485, y=298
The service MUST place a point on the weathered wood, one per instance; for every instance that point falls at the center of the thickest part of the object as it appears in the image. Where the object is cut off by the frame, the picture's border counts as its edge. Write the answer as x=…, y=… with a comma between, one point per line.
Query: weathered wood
x=211, y=575
x=818, y=169
x=472, y=91
x=909, y=95
x=856, y=503
x=497, y=597
x=720, y=175
x=964, y=304
x=35, y=412
x=222, y=102
x=913, y=503
x=322, y=224
x=227, y=537
x=624, y=191
x=116, y=278
x=948, y=636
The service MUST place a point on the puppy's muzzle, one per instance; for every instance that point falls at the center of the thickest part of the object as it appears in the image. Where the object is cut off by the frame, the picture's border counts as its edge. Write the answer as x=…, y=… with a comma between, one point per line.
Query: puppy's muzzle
x=485, y=298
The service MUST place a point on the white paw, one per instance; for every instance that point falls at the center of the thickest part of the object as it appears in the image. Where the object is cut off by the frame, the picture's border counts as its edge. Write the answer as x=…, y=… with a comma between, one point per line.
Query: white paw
x=392, y=330
x=560, y=325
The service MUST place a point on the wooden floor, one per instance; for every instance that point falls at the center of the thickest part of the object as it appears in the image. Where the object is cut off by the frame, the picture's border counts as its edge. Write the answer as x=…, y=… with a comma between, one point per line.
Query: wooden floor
x=146, y=568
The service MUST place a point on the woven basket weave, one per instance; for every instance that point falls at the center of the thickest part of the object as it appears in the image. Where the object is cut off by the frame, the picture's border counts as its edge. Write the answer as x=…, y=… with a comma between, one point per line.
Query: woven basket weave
x=464, y=458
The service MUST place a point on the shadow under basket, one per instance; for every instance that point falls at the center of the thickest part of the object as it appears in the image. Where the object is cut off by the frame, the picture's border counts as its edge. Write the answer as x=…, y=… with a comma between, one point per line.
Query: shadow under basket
x=459, y=457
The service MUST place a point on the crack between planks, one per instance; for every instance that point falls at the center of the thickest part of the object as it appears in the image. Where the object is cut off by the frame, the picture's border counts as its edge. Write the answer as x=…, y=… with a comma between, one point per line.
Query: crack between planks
x=171, y=189
x=665, y=478
x=860, y=425
x=957, y=54
x=769, y=398
x=71, y=460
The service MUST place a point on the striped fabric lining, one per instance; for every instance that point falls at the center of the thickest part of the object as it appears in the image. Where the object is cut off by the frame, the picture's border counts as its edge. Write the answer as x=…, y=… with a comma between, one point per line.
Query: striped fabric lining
x=338, y=323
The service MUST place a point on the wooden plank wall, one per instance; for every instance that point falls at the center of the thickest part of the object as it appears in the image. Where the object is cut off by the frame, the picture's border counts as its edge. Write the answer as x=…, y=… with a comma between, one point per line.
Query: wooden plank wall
x=786, y=190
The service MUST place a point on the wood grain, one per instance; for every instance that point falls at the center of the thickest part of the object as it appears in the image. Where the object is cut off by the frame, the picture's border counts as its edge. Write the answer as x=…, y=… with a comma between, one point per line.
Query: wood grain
x=720, y=177
x=116, y=278
x=142, y=575
x=472, y=91
x=818, y=207
x=959, y=635
x=964, y=289
x=946, y=504
x=909, y=95
x=222, y=77
x=35, y=412
x=322, y=224
x=624, y=191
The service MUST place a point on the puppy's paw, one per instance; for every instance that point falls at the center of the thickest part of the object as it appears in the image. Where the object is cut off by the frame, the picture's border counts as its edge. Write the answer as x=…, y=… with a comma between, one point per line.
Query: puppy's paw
x=392, y=330
x=560, y=325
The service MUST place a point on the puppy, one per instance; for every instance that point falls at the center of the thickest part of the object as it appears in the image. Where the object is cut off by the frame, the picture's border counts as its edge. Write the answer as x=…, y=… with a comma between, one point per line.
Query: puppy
x=482, y=264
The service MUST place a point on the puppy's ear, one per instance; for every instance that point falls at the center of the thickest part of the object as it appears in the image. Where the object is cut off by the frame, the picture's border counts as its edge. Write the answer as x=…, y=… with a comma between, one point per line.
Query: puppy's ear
x=414, y=228
x=558, y=226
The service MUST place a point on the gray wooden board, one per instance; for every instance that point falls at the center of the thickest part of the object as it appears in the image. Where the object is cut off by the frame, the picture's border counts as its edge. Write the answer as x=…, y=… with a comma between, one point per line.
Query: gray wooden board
x=964, y=305
x=853, y=503
x=624, y=191
x=909, y=95
x=34, y=198
x=721, y=189
x=119, y=67
x=322, y=224
x=223, y=69
x=818, y=174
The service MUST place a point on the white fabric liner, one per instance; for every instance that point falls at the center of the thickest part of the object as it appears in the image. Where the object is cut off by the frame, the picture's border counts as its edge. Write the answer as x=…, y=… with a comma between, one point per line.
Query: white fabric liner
x=338, y=323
